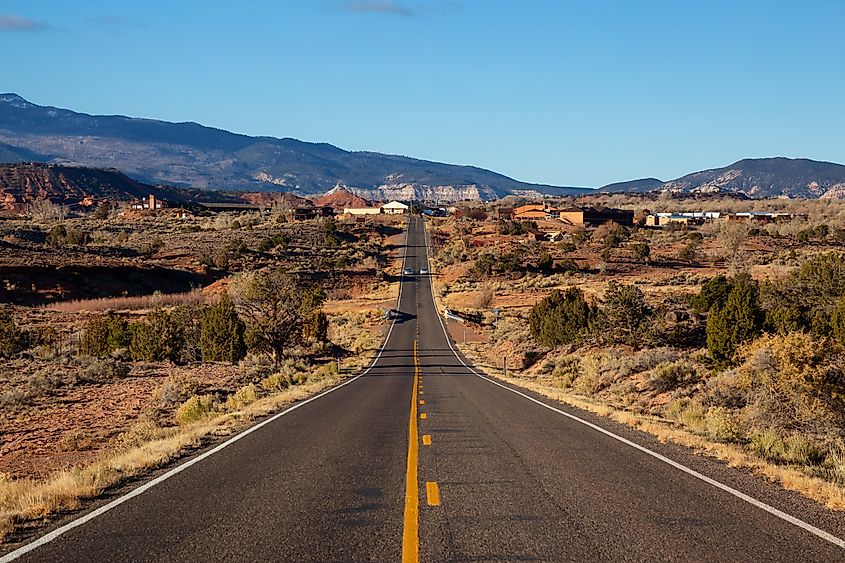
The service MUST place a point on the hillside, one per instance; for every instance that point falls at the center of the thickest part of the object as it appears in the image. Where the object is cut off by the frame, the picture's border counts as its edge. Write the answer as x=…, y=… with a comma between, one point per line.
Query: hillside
x=339, y=198
x=766, y=177
x=189, y=154
x=21, y=184
x=642, y=185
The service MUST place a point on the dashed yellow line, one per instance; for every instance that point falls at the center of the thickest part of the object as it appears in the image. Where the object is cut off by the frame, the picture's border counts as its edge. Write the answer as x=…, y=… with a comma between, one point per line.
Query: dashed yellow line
x=411, y=532
x=423, y=415
x=426, y=440
x=432, y=492
x=422, y=402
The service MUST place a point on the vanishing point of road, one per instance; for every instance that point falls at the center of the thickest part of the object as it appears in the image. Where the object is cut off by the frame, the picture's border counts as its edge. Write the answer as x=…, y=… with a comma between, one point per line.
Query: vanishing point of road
x=420, y=457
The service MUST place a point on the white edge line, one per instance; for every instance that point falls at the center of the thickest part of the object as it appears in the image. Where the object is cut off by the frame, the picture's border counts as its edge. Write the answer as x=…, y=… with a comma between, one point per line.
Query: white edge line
x=47, y=538
x=739, y=494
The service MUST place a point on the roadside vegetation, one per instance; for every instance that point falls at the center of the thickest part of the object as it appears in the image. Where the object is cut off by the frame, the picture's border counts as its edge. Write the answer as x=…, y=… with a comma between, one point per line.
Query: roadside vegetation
x=96, y=390
x=729, y=338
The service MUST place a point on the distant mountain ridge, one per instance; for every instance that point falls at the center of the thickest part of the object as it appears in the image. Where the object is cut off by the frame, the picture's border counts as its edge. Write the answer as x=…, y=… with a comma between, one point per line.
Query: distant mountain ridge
x=193, y=155
x=766, y=177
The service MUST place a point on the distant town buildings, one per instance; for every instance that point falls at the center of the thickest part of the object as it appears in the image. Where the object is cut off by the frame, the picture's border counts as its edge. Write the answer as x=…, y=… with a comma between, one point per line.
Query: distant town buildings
x=151, y=203
x=392, y=208
x=696, y=218
x=577, y=216
x=306, y=213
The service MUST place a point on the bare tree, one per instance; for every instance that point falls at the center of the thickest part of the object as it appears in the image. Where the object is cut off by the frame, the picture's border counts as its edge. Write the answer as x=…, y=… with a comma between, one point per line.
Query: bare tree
x=45, y=211
x=731, y=238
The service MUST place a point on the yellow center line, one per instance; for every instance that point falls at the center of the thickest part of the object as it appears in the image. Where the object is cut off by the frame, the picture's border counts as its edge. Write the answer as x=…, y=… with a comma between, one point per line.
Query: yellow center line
x=432, y=492
x=426, y=440
x=423, y=416
x=422, y=402
x=411, y=534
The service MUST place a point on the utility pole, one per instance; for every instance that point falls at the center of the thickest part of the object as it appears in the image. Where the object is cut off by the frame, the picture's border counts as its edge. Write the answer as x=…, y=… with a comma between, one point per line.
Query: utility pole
x=337, y=359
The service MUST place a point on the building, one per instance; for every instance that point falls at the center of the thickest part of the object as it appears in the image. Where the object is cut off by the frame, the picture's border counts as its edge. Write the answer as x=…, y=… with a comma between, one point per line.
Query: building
x=151, y=202
x=683, y=218
x=362, y=210
x=504, y=213
x=765, y=216
x=596, y=216
x=305, y=213
x=395, y=208
x=534, y=211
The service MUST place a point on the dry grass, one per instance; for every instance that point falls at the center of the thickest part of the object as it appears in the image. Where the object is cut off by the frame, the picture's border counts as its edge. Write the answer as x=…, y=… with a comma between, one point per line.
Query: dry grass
x=790, y=477
x=135, y=303
x=23, y=500
x=147, y=446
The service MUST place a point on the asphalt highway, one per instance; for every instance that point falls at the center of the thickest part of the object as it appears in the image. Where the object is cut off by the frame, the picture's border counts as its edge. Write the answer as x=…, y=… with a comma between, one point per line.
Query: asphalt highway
x=420, y=458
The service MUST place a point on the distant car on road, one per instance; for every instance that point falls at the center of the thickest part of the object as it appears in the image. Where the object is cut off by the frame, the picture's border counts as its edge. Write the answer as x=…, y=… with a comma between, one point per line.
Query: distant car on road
x=407, y=272
x=423, y=271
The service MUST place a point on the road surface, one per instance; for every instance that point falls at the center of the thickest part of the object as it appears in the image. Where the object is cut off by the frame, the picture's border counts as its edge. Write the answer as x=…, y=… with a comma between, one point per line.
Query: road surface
x=420, y=458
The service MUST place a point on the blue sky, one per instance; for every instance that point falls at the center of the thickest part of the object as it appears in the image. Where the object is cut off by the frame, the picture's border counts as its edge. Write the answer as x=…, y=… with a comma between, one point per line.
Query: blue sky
x=566, y=93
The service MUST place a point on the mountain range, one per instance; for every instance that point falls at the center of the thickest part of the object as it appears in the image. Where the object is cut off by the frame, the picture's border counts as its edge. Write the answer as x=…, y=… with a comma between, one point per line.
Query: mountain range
x=191, y=155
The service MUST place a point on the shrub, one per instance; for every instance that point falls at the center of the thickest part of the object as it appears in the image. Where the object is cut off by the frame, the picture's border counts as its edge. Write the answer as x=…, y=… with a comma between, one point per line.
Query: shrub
x=560, y=318
x=242, y=397
x=222, y=333
x=13, y=340
x=316, y=327
x=485, y=297
x=274, y=383
x=56, y=236
x=722, y=424
x=156, y=339
x=671, y=375
x=76, y=237
x=545, y=262
x=641, y=251
x=484, y=264
x=104, y=334
x=807, y=298
x=198, y=407
x=567, y=371
x=739, y=321
x=689, y=253
x=103, y=211
x=693, y=418
x=795, y=382
x=151, y=247
x=767, y=444
x=837, y=320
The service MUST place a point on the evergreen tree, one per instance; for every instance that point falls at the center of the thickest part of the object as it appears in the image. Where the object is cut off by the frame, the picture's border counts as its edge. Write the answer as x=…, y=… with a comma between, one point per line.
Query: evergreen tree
x=737, y=322
x=222, y=333
x=104, y=334
x=560, y=318
x=624, y=311
x=714, y=292
x=156, y=339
